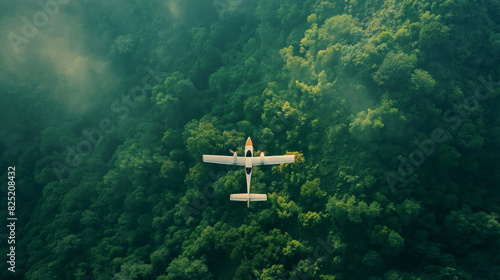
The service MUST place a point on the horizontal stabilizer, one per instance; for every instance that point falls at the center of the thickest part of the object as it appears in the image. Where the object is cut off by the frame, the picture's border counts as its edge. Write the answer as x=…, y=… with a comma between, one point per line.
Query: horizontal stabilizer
x=248, y=197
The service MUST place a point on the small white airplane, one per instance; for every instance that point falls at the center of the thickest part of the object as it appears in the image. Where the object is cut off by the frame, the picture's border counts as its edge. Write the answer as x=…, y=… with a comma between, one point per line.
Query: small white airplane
x=248, y=161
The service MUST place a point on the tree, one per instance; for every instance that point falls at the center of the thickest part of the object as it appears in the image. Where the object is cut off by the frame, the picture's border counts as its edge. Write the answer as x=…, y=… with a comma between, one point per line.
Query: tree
x=67, y=247
x=422, y=81
x=273, y=272
x=183, y=268
x=124, y=45
x=395, y=70
x=202, y=137
x=383, y=122
x=392, y=243
x=433, y=32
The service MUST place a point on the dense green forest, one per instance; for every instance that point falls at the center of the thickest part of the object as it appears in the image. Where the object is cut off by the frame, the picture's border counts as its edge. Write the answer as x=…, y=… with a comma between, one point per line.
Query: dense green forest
x=391, y=108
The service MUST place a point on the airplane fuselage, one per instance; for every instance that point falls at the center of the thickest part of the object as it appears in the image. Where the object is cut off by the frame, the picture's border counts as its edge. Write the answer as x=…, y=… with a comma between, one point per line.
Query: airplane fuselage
x=248, y=162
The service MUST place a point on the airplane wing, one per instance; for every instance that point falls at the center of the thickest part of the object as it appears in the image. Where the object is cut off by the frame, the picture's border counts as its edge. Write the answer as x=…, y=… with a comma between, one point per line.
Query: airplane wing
x=267, y=160
x=229, y=160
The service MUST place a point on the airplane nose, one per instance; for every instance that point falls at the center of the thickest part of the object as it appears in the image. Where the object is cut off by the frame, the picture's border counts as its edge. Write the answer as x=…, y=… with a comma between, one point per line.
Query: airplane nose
x=249, y=142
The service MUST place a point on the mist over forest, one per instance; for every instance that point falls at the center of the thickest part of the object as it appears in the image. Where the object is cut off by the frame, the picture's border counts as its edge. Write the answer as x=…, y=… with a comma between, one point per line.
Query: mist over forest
x=390, y=108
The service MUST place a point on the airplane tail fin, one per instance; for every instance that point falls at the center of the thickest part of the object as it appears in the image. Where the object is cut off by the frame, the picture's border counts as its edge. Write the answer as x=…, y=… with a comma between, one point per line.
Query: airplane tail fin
x=248, y=197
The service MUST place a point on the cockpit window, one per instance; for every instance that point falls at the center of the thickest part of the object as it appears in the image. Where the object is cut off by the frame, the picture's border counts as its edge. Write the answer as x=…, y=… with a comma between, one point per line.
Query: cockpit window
x=248, y=169
x=249, y=154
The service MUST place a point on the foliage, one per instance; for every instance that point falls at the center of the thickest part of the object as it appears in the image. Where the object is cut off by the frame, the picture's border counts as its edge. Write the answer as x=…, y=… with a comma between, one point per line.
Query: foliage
x=355, y=90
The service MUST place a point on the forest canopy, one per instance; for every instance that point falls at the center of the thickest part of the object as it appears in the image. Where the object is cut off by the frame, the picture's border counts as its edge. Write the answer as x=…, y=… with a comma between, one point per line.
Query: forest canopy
x=390, y=107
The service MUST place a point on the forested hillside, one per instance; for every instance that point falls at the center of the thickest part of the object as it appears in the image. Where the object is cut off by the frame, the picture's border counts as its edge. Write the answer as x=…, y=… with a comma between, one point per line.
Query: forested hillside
x=391, y=108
